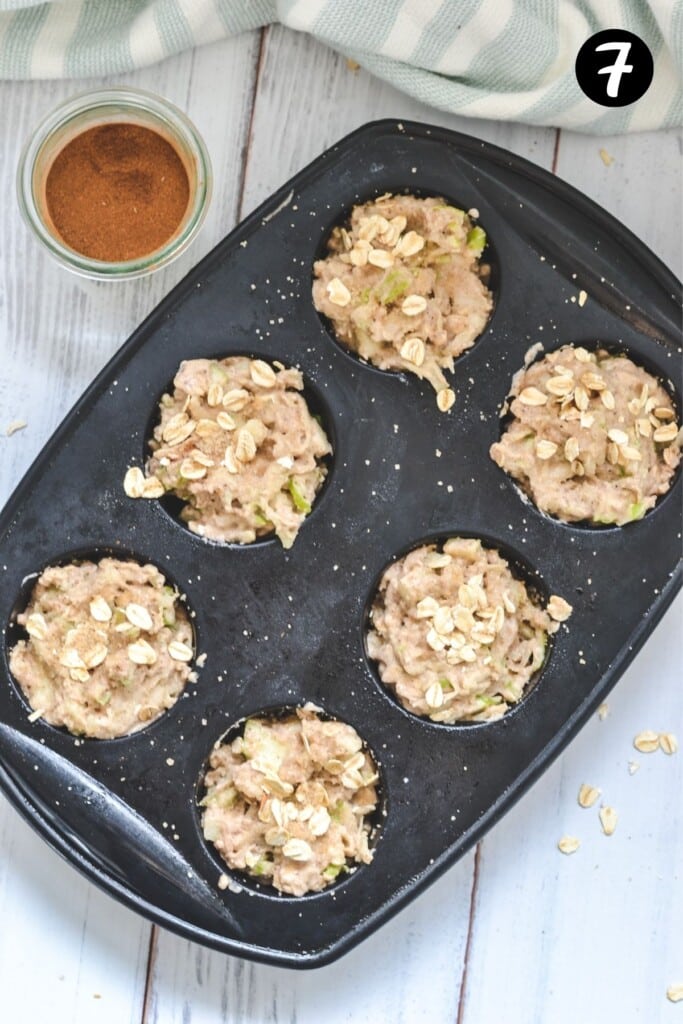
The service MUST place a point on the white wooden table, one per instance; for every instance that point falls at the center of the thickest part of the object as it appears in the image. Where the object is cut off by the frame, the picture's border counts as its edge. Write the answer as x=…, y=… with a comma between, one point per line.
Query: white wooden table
x=516, y=932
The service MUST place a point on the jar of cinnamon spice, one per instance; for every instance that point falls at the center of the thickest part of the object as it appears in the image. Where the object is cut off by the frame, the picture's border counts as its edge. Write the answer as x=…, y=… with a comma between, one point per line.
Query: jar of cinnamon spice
x=115, y=183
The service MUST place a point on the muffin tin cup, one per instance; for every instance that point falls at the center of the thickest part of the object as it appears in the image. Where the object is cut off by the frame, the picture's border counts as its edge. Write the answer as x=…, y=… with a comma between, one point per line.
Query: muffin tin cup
x=173, y=505
x=642, y=360
x=14, y=632
x=519, y=568
x=280, y=628
x=242, y=879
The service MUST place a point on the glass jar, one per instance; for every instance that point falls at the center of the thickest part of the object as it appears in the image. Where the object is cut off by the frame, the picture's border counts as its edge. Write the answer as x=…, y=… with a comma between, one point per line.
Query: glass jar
x=89, y=110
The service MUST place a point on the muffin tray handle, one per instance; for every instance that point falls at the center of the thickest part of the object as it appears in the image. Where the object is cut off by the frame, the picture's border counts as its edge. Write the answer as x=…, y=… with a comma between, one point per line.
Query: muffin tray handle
x=106, y=831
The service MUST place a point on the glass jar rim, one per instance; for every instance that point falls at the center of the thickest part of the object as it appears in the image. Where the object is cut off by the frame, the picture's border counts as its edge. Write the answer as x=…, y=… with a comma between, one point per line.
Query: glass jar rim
x=165, y=114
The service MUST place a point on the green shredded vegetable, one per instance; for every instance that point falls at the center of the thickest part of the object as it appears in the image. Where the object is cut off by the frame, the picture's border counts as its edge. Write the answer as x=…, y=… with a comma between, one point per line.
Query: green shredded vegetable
x=636, y=510
x=300, y=503
x=393, y=287
x=337, y=810
x=259, y=518
x=262, y=867
x=223, y=798
x=459, y=215
x=488, y=701
x=476, y=240
x=218, y=373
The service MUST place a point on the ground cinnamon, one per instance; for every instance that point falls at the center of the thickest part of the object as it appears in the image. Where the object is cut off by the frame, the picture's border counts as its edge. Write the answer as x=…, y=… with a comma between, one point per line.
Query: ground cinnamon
x=117, y=192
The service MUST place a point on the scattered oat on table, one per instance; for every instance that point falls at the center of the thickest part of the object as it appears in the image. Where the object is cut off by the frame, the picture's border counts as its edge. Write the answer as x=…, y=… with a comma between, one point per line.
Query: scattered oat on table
x=14, y=426
x=606, y=158
x=675, y=992
x=603, y=712
x=352, y=64
x=646, y=742
x=668, y=742
x=568, y=844
x=588, y=795
x=608, y=820
x=583, y=297
x=633, y=767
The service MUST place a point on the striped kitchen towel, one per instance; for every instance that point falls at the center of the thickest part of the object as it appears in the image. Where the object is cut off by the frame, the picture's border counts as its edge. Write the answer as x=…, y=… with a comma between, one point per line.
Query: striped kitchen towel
x=505, y=59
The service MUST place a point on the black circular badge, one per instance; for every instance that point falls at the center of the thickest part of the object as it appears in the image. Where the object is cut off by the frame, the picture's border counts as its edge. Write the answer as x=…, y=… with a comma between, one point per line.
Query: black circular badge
x=614, y=68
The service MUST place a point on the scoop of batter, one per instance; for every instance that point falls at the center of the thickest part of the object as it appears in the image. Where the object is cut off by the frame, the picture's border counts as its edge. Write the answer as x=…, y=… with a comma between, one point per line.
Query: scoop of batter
x=403, y=286
x=455, y=634
x=593, y=437
x=288, y=801
x=237, y=443
x=108, y=648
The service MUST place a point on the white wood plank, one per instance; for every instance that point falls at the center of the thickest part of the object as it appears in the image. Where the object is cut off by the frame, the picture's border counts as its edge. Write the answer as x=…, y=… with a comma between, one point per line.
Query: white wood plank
x=594, y=936
x=308, y=99
x=642, y=187
x=55, y=334
x=68, y=953
x=407, y=973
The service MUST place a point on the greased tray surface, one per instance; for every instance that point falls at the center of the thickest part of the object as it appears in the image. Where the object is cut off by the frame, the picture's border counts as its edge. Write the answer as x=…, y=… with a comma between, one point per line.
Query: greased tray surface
x=280, y=628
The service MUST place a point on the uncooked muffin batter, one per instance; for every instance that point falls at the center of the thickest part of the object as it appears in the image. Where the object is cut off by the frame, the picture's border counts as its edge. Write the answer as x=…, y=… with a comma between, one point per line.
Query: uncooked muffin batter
x=404, y=288
x=288, y=801
x=237, y=442
x=455, y=634
x=109, y=647
x=593, y=436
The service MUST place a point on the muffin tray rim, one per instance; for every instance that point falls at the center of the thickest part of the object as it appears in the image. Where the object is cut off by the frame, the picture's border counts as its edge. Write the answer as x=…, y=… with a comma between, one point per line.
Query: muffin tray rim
x=174, y=301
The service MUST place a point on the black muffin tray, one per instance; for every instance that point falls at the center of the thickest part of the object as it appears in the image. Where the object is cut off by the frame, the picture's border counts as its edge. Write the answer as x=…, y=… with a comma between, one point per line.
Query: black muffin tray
x=280, y=628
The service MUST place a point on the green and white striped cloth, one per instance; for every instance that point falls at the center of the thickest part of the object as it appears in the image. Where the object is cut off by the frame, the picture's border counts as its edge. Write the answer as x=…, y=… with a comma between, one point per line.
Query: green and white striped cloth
x=503, y=59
